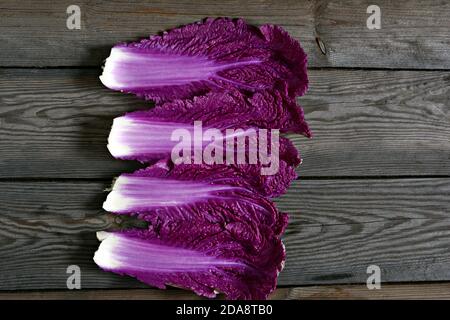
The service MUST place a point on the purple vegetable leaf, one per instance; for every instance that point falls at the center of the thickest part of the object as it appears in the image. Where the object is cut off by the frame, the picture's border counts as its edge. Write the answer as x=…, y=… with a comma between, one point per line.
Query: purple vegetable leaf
x=220, y=194
x=209, y=55
x=204, y=257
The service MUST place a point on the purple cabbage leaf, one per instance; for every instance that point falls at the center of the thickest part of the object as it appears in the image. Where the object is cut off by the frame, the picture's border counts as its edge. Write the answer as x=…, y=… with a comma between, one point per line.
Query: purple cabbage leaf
x=198, y=191
x=141, y=134
x=214, y=54
x=207, y=258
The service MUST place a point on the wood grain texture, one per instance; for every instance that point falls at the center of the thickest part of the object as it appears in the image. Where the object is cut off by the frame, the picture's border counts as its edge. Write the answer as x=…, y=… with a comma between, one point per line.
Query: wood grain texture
x=55, y=124
x=409, y=291
x=337, y=229
x=413, y=34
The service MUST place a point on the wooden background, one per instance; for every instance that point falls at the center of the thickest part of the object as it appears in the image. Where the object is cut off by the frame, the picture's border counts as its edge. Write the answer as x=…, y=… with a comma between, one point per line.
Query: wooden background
x=374, y=187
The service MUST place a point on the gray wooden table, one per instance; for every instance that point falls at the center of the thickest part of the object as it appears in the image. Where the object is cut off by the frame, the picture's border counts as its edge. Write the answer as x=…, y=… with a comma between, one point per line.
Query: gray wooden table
x=374, y=187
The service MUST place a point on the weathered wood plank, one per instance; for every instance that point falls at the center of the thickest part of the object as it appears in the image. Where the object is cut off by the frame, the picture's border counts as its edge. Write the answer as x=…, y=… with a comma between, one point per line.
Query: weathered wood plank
x=413, y=34
x=407, y=291
x=37, y=35
x=55, y=123
x=337, y=229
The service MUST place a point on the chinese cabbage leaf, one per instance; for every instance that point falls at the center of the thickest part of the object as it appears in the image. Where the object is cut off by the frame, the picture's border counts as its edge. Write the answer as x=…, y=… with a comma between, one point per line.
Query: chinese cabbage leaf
x=213, y=54
x=207, y=258
x=220, y=194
